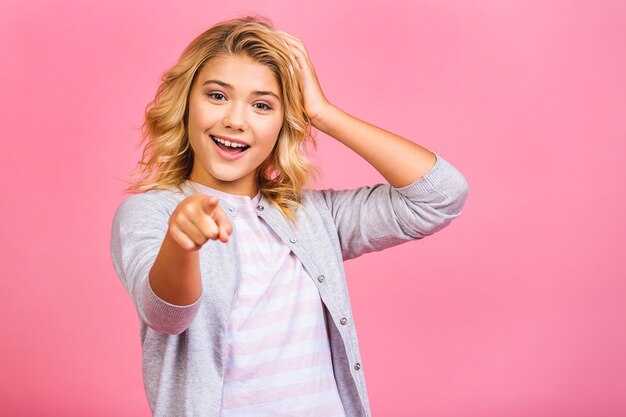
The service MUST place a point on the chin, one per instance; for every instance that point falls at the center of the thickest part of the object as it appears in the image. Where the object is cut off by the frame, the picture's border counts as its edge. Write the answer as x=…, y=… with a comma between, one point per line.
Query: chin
x=226, y=177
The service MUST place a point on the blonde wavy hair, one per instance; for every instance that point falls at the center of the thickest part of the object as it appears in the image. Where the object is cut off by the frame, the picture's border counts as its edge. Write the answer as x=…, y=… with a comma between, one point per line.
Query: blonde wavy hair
x=167, y=156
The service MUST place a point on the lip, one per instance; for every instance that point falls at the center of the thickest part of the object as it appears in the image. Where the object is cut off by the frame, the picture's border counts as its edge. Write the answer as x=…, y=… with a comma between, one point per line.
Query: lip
x=225, y=155
x=241, y=142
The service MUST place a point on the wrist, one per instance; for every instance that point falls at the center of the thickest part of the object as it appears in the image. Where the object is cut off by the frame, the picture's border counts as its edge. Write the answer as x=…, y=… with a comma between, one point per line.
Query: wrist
x=321, y=118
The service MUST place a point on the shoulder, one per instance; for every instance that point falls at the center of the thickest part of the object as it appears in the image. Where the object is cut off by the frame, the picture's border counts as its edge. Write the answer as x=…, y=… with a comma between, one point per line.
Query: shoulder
x=329, y=198
x=152, y=203
x=310, y=195
x=314, y=199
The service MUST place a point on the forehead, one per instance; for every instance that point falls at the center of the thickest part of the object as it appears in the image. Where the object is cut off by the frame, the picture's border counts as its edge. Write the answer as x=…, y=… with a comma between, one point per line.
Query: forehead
x=242, y=73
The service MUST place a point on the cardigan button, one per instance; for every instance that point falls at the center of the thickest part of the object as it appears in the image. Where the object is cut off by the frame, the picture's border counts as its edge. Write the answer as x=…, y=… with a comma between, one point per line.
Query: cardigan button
x=293, y=239
x=357, y=366
x=343, y=320
x=321, y=278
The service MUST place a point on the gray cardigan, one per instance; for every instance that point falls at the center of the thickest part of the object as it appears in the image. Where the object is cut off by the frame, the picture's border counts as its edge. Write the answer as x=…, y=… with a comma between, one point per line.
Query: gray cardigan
x=183, y=345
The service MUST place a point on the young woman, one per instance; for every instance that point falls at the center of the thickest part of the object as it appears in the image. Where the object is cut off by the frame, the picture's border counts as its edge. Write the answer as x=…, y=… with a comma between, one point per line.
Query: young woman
x=235, y=268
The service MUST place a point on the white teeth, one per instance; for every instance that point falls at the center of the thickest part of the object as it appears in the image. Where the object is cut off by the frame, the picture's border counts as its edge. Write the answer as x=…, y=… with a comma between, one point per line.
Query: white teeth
x=228, y=143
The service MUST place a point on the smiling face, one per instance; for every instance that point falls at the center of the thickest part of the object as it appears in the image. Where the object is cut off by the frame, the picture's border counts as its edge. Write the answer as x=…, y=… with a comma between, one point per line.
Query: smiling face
x=233, y=99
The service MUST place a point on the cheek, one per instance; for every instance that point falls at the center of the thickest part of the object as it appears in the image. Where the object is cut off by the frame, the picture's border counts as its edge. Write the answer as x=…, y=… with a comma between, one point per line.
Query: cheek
x=195, y=118
x=197, y=139
x=200, y=115
x=277, y=127
x=193, y=144
x=192, y=129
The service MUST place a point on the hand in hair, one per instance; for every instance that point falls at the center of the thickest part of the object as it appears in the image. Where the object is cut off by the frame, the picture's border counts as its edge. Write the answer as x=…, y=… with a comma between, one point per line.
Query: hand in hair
x=315, y=103
x=198, y=219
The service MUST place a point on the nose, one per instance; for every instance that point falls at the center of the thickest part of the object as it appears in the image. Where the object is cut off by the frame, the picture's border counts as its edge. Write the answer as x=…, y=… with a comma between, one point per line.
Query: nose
x=235, y=117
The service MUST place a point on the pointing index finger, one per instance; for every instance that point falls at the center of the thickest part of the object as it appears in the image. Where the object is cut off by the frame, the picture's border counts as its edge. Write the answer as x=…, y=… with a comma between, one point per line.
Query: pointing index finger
x=209, y=205
x=223, y=223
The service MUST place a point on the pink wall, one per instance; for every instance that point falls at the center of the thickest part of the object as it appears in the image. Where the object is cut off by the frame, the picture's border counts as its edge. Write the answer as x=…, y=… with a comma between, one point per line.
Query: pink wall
x=517, y=309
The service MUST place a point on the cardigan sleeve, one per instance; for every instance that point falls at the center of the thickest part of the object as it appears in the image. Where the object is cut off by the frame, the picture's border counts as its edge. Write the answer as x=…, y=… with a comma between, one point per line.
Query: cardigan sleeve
x=139, y=227
x=374, y=218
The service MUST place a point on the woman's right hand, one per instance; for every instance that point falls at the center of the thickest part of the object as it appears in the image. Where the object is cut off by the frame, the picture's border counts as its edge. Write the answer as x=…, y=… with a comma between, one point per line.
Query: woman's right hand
x=198, y=219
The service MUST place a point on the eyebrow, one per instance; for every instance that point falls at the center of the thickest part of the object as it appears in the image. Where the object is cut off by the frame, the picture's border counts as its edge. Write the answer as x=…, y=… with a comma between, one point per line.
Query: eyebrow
x=230, y=87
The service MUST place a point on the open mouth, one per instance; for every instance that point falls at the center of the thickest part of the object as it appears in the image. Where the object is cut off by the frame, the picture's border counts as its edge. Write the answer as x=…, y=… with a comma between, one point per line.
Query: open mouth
x=229, y=147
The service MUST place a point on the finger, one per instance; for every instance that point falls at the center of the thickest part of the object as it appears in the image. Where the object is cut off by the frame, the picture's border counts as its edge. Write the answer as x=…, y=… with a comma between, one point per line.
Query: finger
x=296, y=47
x=223, y=222
x=216, y=225
x=182, y=239
x=300, y=59
x=202, y=217
x=209, y=205
x=225, y=232
x=294, y=42
x=191, y=229
x=206, y=225
x=224, y=235
x=289, y=36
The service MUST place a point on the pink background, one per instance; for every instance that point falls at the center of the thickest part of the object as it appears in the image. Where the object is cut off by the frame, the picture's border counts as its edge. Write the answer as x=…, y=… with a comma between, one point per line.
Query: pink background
x=517, y=309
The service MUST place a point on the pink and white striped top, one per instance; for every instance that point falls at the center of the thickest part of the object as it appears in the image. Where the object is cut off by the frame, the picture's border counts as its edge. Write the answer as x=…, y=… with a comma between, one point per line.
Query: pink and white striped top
x=278, y=360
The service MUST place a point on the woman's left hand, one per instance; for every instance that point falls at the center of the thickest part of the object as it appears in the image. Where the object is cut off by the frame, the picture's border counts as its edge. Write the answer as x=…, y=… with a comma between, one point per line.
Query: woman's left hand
x=315, y=103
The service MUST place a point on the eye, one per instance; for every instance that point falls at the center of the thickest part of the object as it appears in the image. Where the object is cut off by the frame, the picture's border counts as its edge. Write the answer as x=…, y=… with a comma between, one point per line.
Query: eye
x=215, y=96
x=263, y=108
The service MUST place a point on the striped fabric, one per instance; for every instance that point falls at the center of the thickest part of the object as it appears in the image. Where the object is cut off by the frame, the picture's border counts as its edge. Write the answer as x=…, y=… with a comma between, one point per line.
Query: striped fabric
x=278, y=360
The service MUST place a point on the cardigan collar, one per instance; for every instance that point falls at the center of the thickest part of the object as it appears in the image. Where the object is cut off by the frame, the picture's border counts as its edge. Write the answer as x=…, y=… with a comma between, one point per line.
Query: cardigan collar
x=230, y=200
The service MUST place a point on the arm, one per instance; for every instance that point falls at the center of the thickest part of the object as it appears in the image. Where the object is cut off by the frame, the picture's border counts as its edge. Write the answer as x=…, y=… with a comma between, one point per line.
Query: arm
x=156, y=256
x=424, y=193
x=399, y=160
x=175, y=276
x=374, y=218
x=138, y=237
